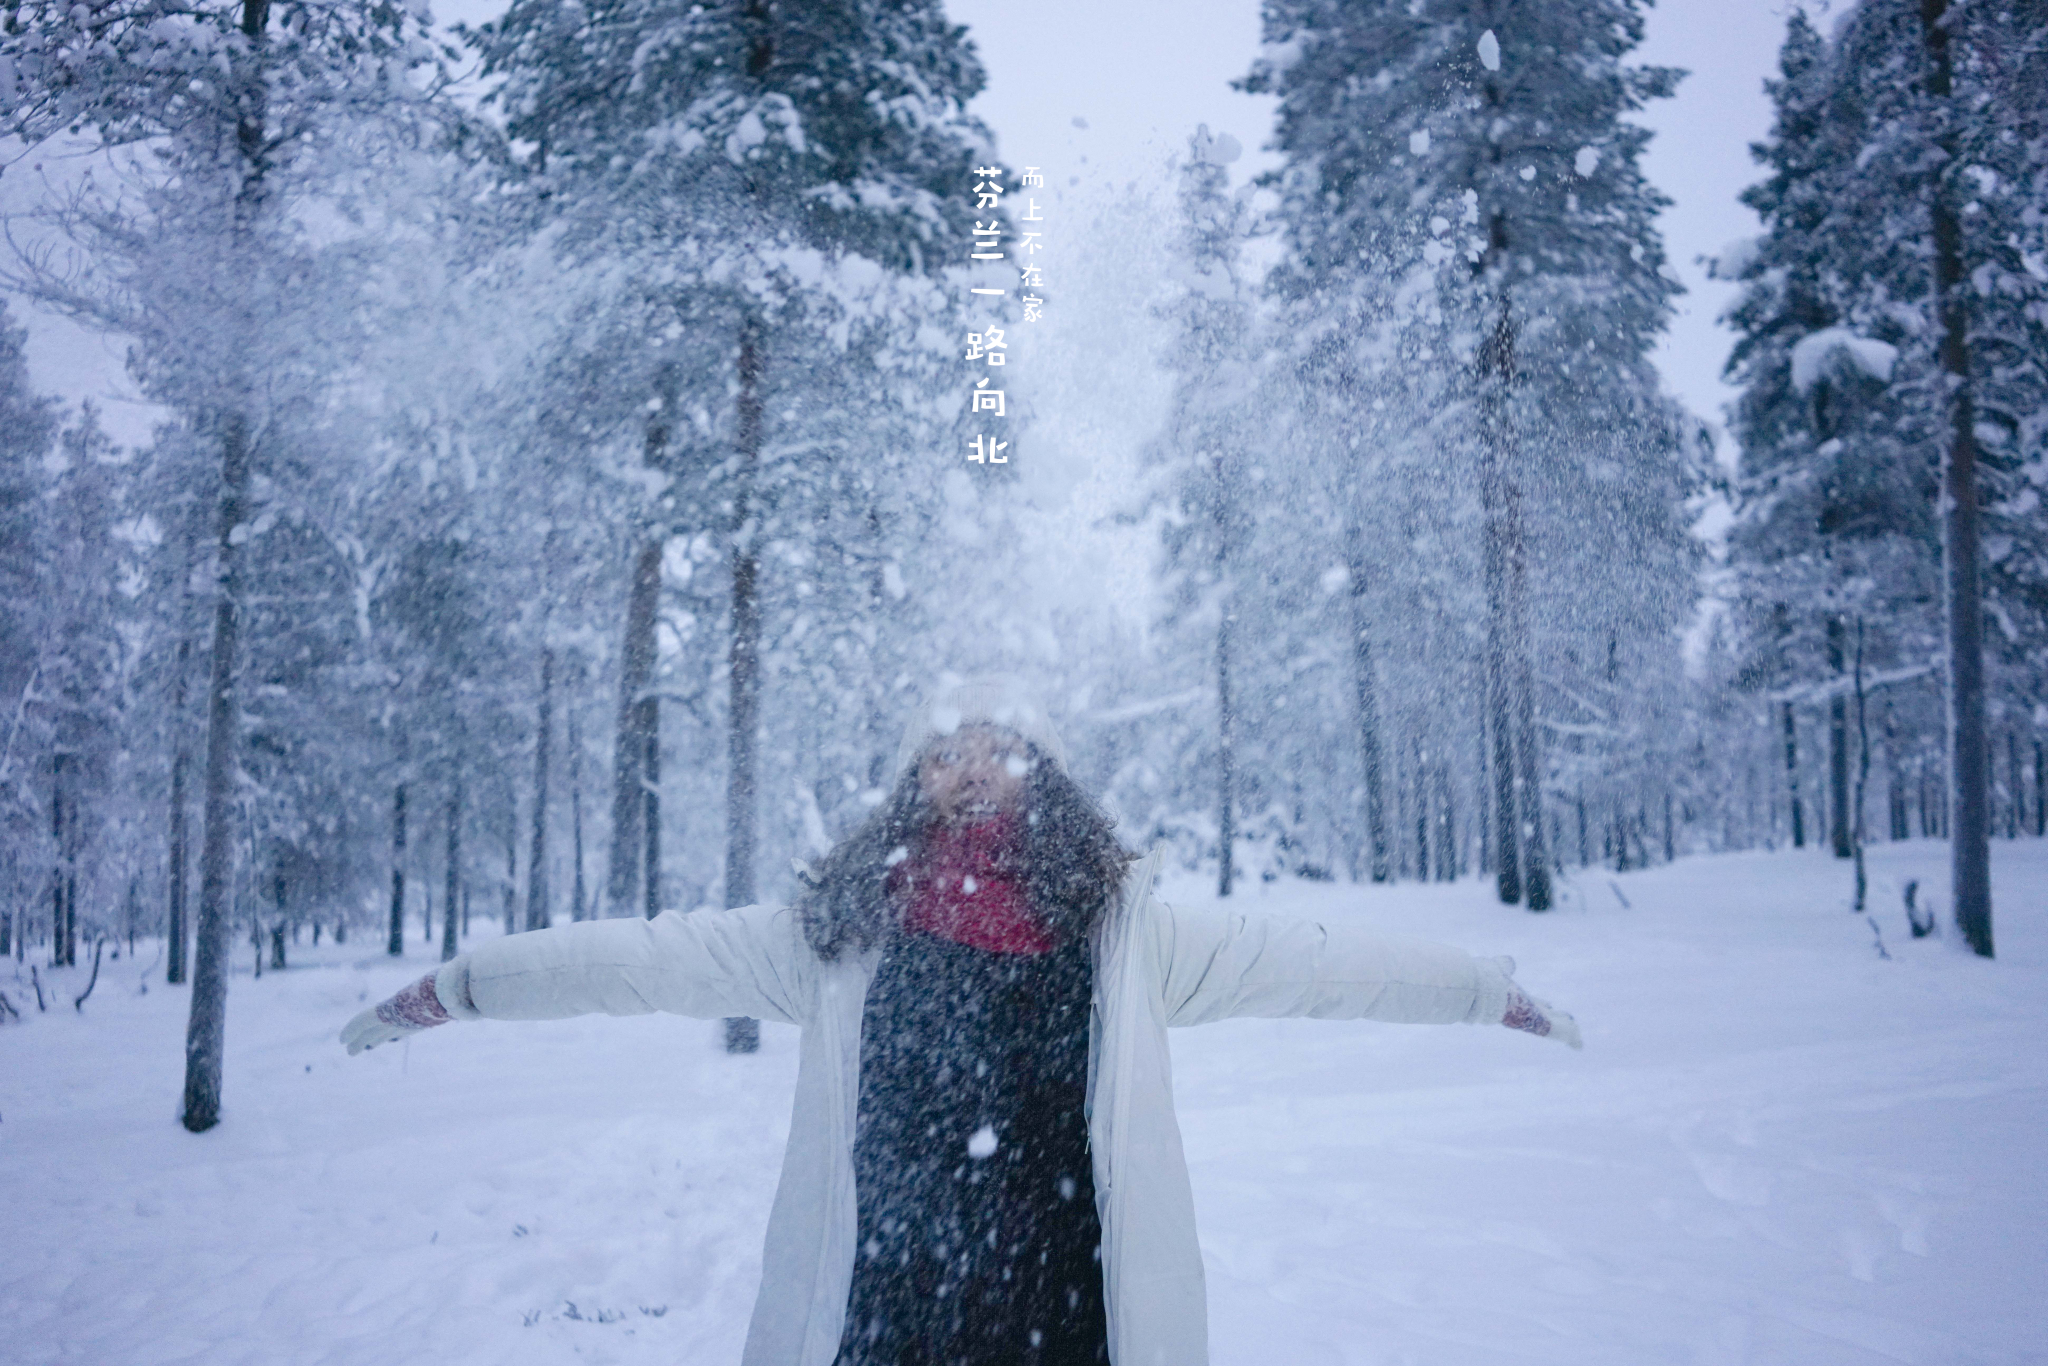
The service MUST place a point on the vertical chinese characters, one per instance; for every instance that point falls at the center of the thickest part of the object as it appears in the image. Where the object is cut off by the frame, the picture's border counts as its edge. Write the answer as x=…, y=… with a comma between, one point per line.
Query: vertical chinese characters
x=986, y=348
x=1031, y=275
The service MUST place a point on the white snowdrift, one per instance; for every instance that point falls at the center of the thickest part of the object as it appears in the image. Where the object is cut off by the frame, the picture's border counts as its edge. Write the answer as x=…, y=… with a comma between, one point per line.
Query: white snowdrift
x=1775, y=1148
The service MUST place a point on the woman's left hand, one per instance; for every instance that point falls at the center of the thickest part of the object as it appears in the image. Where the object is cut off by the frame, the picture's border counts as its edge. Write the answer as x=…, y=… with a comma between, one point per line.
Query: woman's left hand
x=1527, y=1013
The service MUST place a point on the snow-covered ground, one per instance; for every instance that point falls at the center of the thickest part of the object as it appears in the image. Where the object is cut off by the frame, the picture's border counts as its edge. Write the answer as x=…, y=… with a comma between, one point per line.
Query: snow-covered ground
x=1776, y=1147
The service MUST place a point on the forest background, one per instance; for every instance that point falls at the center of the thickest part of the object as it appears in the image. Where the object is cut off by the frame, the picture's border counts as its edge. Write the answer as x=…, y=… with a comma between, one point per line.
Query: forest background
x=549, y=505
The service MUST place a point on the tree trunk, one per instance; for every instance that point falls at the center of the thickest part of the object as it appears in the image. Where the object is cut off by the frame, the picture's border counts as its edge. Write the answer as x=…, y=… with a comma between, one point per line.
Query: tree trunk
x=1366, y=693
x=1792, y=779
x=396, y=946
x=174, y=910
x=1838, y=747
x=1493, y=439
x=1524, y=862
x=1447, y=826
x=1421, y=814
x=206, y=1027
x=1226, y=753
x=538, y=913
x=579, y=907
x=451, y=891
x=511, y=906
x=1862, y=771
x=1969, y=746
x=57, y=862
x=636, y=674
x=1535, y=838
x=650, y=878
x=1482, y=805
x=2015, y=811
x=744, y=1035
x=2040, y=792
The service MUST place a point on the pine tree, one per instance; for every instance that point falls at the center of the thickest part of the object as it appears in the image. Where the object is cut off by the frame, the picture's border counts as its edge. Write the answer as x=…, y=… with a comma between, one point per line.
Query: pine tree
x=1208, y=448
x=224, y=120
x=28, y=424
x=1475, y=155
x=1892, y=348
x=766, y=183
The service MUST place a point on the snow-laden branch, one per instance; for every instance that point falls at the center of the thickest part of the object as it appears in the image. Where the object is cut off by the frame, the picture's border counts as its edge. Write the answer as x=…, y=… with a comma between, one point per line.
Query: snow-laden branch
x=1131, y=711
x=1827, y=688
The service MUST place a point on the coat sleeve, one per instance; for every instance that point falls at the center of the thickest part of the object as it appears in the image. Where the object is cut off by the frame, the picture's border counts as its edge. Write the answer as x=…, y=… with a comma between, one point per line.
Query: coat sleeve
x=749, y=961
x=1217, y=965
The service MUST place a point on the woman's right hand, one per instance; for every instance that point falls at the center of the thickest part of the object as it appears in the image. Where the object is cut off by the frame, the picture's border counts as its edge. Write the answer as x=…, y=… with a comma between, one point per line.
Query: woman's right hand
x=403, y=1015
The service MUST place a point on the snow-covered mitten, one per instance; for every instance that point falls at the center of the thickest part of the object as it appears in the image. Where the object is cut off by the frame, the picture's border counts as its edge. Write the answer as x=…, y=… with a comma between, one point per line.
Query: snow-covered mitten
x=407, y=1013
x=1526, y=1012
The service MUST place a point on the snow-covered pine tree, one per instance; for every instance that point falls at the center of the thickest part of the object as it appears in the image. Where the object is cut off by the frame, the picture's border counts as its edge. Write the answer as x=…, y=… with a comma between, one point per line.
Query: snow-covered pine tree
x=1985, y=87
x=1893, y=343
x=771, y=181
x=1833, y=497
x=1209, y=444
x=214, y=125
x=28, y=423
x=1527, y=308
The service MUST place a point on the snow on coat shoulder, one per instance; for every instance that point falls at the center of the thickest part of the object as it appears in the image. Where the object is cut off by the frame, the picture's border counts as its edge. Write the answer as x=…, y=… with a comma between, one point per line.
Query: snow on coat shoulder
x=1155, y=967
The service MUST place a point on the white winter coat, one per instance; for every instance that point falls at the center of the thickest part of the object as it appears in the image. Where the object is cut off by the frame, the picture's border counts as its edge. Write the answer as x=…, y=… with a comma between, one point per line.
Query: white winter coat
x=1154, y=967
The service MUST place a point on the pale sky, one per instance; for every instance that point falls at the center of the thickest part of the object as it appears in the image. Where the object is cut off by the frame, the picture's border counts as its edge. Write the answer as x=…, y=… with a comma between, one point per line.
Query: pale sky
x=1140, y=74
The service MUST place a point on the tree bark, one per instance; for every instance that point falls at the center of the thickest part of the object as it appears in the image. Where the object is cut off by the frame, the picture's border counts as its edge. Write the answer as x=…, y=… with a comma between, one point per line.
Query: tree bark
x=1969, y=744
x=743, y=1035
x=1524, y=866
x=174, y=910
x=1366, y=695
x=451, y=891
x=396, y=946
x=538, y=913
x=580, y=906
x=1838, y=747
x=1226, y=753
x=2040, y=791
x=1862, y=775
x=2015, y=810
x=57, y=861
x=1792, y=779
x=1447, y=824
x=1535, y=836
x=1482, y=805
x=1427, y=866
x=650, y=878
x=206, y=1026
x=511, y=903
x=1493, y=437
x=636, y=674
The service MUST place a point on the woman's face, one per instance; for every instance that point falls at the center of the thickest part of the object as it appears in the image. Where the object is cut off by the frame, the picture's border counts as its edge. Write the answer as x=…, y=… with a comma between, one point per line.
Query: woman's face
x=974, y=773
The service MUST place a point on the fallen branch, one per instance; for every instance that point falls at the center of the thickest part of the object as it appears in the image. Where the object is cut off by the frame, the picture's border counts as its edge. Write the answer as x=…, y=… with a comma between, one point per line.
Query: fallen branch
x=8, y=1006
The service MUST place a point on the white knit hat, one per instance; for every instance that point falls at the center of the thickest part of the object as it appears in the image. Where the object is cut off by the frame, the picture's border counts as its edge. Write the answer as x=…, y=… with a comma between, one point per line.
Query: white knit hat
x=1001, y=699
